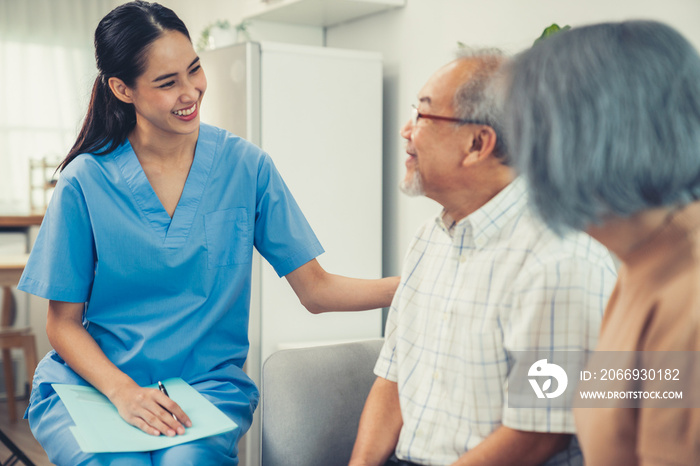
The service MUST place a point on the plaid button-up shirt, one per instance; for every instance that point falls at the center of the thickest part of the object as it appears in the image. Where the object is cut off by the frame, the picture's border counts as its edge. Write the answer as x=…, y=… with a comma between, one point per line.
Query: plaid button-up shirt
x=471, y=292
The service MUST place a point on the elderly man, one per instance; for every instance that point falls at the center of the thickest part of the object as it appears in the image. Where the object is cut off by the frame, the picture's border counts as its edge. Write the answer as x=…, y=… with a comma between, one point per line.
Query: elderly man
x=481, y=280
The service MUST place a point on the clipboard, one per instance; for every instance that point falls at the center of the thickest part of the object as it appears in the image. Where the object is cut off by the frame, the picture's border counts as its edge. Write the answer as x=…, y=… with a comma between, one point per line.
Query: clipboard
x=100, y=429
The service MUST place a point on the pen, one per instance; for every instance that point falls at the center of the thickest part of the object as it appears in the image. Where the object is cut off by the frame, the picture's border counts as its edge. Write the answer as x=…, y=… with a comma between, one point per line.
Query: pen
x=161, y=387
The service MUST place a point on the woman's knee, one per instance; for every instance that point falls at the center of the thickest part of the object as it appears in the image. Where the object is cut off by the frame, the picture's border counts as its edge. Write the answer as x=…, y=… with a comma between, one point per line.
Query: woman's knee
x=217, y=450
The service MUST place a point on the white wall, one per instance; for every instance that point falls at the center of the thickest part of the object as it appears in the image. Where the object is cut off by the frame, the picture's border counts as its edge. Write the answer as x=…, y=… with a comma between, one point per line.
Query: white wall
x=420, y=37
x=198, y=15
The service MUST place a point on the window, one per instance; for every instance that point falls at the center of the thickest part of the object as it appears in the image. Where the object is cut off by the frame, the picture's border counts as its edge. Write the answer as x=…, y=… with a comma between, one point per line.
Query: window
x=47, y=68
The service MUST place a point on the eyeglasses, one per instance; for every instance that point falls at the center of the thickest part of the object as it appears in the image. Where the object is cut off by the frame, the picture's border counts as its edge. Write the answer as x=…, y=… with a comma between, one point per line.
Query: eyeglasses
x=416, y=115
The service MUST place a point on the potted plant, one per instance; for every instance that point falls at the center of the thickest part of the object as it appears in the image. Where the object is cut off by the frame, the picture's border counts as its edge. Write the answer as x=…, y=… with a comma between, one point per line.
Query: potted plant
x=221, y=33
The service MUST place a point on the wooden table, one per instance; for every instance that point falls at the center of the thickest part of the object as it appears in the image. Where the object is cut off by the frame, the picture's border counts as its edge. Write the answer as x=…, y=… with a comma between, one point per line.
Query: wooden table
x=20, y=221
x=20, y=224
x=11, y=267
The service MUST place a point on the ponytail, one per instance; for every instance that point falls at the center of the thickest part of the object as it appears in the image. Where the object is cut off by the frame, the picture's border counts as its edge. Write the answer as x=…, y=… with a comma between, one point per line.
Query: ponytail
x=107, y=124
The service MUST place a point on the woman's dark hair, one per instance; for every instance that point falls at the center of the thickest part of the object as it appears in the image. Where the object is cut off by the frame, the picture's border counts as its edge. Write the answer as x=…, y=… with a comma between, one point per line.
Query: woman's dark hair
x=122, y=40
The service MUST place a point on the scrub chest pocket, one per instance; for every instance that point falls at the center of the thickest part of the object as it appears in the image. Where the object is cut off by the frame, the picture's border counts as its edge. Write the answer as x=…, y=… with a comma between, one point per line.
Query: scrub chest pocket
x=228, y=239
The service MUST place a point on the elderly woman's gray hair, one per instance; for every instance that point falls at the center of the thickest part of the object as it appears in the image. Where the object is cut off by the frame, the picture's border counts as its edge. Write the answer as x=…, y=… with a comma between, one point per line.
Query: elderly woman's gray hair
x=604, y=121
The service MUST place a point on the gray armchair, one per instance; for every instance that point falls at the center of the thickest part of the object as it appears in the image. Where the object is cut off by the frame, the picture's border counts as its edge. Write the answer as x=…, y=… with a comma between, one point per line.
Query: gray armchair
x=312, y=399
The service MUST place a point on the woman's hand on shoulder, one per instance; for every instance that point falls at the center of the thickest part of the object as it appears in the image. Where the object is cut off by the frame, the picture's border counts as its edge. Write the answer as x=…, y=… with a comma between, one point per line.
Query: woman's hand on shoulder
x=320, y=291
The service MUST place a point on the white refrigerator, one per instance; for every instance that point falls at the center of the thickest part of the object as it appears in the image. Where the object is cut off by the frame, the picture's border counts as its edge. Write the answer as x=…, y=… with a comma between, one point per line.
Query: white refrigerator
x=318, y=113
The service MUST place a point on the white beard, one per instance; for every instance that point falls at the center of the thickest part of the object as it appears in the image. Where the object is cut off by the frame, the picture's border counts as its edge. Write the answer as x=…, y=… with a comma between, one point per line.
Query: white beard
x=412, y=186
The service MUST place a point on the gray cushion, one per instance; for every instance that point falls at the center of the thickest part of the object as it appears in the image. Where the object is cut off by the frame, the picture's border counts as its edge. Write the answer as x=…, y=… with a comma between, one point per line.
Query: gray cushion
x=312, y=399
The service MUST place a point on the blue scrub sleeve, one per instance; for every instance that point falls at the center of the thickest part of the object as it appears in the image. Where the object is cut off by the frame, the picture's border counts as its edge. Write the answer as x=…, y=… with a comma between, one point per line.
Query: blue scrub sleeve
x=282, y=234
x=61, y=265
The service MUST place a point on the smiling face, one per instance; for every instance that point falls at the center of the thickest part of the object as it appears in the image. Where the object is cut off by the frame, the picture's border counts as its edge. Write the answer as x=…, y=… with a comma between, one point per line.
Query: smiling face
x=435, y=147
x=168, y=95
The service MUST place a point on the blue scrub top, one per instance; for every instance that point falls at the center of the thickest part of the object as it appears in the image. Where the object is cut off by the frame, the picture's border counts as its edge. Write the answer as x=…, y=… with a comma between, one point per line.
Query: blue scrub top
x=167, y=298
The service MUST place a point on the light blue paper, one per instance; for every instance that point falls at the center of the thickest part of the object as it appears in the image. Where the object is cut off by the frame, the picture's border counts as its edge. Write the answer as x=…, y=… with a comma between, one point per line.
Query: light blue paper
x=99, y=428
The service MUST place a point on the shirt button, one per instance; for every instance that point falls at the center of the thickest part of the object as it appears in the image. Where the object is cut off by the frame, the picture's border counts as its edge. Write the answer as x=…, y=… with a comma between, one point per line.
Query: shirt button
x=463, y=258
x=479, y=242
x=436, y=375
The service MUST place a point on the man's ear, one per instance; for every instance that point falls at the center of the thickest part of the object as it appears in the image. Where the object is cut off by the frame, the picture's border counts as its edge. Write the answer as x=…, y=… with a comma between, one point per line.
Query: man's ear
x=120, y=90
x=482, y=144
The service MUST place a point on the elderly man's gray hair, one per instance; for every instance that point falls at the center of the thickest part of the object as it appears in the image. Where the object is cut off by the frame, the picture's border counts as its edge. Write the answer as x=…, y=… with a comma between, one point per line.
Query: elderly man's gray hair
x=604, y=120
x=480, y=98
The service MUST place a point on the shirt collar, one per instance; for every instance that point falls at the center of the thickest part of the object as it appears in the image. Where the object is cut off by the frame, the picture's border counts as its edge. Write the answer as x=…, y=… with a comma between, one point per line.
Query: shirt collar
x=490, y=218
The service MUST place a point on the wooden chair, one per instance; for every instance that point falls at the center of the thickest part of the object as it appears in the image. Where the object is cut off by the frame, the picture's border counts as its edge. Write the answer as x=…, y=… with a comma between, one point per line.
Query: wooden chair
x=11, y=268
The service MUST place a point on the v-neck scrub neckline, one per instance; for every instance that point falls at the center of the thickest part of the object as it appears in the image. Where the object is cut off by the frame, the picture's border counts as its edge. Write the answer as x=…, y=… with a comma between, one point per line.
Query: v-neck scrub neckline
x=173, y=231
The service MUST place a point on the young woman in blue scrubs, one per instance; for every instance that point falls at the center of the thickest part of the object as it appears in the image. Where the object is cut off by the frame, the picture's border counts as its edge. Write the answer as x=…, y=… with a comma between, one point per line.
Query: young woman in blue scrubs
x=145, y=252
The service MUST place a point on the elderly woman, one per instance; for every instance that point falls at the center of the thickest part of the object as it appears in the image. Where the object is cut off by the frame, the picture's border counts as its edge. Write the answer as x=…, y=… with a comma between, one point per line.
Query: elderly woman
x=604, y=121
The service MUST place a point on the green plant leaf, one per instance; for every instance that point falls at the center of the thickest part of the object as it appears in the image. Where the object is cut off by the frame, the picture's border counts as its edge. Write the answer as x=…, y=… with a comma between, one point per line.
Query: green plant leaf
x=551, y=30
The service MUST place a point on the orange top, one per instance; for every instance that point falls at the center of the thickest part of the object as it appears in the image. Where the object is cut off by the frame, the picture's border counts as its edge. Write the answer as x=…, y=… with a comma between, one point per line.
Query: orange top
x=655, y=307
